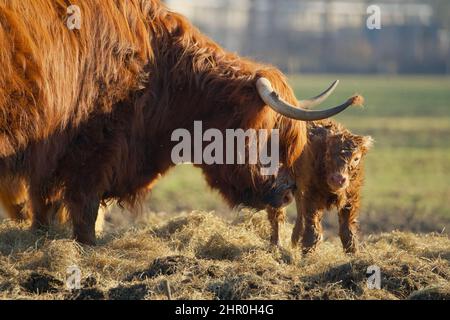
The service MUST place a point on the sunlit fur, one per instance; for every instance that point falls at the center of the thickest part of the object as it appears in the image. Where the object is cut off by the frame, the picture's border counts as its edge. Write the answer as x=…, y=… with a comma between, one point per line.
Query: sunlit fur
x=87, y=115
x=14, y=199
x=15, y=205
x=331, y=149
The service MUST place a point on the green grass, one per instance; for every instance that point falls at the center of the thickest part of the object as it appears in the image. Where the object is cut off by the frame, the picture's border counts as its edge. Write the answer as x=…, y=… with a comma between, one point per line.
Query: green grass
x=386, y=96
x=409, y=167
x=184, y=189
x=408, y=177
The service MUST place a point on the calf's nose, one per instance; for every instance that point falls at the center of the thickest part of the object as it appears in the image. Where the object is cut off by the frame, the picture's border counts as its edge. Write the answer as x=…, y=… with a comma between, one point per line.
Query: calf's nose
x=338, y=179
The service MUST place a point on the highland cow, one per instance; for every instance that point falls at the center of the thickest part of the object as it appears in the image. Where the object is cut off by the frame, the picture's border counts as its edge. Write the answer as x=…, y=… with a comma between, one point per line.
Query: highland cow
x=87, y=115
x=328, y=174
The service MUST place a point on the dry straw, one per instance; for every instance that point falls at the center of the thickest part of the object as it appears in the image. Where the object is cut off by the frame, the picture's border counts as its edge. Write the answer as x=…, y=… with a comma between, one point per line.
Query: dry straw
x=202, y=256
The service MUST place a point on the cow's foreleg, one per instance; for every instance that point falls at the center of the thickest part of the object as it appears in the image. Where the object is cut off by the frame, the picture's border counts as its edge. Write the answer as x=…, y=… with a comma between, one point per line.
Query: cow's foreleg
x=39, y=208
x=84, y=215
x=348, y=227
x=276, y=216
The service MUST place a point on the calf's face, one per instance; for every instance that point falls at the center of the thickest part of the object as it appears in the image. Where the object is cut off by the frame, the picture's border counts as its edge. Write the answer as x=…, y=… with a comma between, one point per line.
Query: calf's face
x=343, y=156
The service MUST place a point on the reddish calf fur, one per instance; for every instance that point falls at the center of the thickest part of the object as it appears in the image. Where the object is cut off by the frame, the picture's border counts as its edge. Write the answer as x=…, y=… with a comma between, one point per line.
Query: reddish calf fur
x=329, y=173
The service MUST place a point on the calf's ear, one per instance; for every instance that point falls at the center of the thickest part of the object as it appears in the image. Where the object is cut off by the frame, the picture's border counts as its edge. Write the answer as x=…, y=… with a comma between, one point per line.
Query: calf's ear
x=367, y=142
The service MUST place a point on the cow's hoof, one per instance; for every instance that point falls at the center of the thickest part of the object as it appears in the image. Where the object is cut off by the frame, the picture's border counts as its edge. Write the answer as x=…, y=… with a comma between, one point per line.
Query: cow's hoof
x=39, y=227
x=87, y=241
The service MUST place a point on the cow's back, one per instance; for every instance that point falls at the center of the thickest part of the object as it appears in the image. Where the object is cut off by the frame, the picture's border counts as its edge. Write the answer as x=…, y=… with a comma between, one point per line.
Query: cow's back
x=53, y=76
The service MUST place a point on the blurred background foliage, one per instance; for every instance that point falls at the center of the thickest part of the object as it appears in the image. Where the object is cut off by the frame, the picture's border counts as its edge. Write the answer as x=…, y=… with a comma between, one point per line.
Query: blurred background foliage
x=330, y=36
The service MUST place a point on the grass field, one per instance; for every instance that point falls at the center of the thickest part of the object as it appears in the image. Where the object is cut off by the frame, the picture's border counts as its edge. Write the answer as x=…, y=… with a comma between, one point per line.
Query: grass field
x=408, y=171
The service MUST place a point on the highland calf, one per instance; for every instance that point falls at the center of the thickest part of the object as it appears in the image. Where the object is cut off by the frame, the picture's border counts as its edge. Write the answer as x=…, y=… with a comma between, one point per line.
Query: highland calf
x=328, y=174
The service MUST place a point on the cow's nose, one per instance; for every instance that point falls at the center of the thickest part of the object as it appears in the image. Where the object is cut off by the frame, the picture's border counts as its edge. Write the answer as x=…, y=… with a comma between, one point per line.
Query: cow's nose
x=287, y=198
x=338, y=179
x=280, y=199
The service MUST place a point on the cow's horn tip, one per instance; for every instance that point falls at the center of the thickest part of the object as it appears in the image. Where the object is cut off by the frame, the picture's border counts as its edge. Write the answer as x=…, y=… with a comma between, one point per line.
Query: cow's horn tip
x=357, y=100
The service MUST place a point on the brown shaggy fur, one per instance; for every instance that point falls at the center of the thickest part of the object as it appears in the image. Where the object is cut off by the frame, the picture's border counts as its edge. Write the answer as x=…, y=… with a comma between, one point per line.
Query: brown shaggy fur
x=14, y=199
x=16, y=205
x=332, y=152
x=87, y=115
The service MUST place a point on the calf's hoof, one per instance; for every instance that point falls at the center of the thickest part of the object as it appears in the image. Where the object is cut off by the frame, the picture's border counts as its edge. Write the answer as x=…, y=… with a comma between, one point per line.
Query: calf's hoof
x=311, y=243
x=351, y=249
x=295, y=243
x=308, y=250
x=274, y=242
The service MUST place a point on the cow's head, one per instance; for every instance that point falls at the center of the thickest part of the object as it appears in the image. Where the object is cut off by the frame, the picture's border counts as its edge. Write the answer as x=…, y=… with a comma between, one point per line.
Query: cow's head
x=281, y=193
x=253, y=190
x=226, y=91
x=269, y=104
x=343, y=158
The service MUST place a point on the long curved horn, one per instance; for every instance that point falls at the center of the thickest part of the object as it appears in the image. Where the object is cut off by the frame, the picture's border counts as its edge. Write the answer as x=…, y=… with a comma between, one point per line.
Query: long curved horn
x=273, y=100
x=313, y=102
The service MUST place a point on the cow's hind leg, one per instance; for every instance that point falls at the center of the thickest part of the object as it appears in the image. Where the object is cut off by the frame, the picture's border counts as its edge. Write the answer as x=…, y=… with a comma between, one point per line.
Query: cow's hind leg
x=84, y=215
x=39, y=209
x=13, y=197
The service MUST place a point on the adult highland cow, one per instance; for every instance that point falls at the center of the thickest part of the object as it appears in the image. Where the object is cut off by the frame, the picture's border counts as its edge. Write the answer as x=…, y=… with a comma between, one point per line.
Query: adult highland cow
x=87, y=115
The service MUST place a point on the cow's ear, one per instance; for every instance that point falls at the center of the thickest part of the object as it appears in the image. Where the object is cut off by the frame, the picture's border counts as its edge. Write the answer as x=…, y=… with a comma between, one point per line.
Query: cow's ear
x=367, y=143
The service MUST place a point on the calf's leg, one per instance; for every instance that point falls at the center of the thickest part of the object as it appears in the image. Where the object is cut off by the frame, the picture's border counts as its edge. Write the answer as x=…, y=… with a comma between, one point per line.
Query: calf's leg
x=275, y=217
x=313, y=233
x=348, y=228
